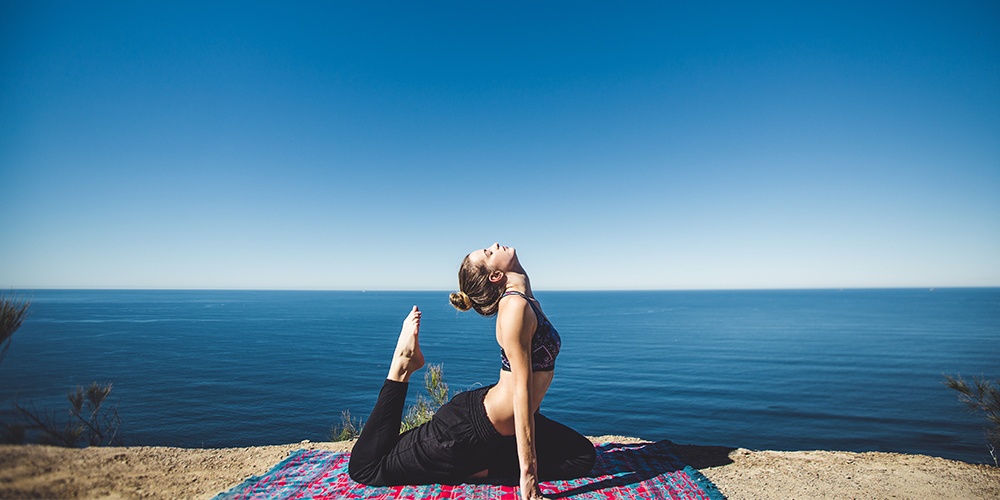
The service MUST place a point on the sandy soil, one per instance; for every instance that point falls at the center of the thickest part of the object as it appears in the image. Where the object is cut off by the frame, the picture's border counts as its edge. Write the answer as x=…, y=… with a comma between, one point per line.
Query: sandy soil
x=157, y=472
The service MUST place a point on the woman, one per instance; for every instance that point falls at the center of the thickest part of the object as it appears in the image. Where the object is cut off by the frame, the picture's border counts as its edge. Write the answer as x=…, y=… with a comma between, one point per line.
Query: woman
x=496, y=431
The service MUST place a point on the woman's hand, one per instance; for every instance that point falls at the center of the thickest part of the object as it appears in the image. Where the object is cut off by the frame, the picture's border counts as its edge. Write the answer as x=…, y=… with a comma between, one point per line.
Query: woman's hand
x=529, y=488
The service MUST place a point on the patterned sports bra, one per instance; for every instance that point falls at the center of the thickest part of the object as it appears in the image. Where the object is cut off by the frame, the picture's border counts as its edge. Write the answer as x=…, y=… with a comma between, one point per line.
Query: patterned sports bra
x=545, y=342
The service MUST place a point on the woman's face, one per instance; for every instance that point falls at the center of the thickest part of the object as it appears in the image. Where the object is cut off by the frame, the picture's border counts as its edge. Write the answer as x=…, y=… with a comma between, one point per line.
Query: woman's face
x=496, y=257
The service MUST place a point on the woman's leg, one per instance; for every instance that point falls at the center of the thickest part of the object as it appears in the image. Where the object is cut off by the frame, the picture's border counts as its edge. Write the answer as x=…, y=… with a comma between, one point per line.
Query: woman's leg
x=381, y=432
x=561, y=452
x=449, y=448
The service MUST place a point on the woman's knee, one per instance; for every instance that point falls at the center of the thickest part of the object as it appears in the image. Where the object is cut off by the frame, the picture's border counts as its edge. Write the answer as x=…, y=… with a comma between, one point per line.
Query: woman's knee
x=574, y=459
x=584, y=461
x=361, y=472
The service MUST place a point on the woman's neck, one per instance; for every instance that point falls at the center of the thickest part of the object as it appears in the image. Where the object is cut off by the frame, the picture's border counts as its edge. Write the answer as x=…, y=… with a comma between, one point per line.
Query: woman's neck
x=518, y=282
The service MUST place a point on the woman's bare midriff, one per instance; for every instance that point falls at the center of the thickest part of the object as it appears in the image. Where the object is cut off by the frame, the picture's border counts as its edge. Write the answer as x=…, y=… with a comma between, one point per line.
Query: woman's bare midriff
x=499, y=400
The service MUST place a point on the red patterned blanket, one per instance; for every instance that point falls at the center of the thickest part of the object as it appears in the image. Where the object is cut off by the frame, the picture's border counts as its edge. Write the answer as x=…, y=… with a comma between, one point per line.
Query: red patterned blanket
x=647, y=470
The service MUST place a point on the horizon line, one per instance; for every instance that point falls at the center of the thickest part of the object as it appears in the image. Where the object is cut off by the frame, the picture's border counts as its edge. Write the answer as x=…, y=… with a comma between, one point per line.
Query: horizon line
x=366, y=290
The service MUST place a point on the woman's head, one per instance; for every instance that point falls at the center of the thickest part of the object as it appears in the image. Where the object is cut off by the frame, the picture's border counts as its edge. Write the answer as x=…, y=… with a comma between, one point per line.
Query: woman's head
x=481, y=279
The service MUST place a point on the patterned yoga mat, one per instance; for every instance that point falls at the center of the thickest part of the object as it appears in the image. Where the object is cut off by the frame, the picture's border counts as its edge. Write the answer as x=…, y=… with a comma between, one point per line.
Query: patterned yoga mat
x=646, y=470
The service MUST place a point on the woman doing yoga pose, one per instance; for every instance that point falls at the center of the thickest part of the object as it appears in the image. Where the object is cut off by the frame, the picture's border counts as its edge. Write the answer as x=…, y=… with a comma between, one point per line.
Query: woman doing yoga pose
x=492, y=432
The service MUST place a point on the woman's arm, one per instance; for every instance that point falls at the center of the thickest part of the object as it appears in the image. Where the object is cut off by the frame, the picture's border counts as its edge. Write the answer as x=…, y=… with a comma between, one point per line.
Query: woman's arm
x=517, y=324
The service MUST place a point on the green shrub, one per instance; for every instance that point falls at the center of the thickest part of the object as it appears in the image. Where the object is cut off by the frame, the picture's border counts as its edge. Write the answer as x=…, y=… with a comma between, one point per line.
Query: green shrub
x=90, y=421
x=12, y=313
x=415, y=416
x=981, y=395
x=347, y=429
x=421, y=412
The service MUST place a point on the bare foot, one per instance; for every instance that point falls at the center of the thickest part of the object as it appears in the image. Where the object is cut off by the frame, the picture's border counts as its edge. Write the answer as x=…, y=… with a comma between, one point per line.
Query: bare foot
x=407, y=357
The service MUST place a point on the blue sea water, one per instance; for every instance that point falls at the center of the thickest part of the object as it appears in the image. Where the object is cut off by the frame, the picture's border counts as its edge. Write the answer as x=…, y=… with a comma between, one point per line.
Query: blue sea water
x=854, y=370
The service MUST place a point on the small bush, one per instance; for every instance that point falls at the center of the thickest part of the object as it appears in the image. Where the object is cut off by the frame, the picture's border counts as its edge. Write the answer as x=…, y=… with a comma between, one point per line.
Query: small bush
x=425, y=408
x=12, y=313
x=89, y=421
x=981, y=395
x=347, y=429
x=415, y=416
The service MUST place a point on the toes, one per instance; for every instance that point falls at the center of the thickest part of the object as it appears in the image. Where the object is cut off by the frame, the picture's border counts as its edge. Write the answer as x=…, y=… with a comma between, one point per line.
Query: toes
x=413, y=318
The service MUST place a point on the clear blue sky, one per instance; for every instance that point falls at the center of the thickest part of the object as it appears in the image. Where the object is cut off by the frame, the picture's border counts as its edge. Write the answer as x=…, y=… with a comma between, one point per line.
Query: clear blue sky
x=370, y=145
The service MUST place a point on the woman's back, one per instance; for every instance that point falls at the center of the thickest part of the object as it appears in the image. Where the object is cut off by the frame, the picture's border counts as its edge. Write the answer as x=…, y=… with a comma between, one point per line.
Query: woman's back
x=499, y=401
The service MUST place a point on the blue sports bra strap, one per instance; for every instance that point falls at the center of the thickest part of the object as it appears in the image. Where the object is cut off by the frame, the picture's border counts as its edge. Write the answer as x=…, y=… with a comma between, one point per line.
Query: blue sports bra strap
x=523, y=296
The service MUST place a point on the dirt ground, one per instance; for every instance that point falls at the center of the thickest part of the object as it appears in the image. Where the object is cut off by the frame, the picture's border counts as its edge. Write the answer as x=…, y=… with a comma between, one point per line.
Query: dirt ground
x=33, y=471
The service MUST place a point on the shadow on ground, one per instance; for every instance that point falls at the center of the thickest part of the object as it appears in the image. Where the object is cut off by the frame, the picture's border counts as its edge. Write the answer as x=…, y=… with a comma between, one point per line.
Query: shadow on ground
x=628, y=465
x=701, y=457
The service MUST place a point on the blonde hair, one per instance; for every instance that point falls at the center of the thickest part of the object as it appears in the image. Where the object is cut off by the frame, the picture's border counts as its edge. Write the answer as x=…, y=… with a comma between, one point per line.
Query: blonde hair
x=476, y=290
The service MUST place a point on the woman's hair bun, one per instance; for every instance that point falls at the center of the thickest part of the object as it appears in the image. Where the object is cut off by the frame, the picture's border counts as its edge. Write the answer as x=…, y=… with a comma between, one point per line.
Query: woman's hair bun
x=461, y=301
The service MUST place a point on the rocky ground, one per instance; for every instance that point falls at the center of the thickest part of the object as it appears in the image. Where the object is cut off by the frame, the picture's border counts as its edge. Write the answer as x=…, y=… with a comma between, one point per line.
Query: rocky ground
x=158, y=472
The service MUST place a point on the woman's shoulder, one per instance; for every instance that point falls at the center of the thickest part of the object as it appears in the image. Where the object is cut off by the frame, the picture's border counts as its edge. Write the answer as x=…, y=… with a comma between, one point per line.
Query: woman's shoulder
x=514, y=302
x=516, y=311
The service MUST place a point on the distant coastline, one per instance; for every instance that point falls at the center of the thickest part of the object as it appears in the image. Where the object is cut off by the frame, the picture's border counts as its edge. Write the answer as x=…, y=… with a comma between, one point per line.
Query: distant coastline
x=21, y=289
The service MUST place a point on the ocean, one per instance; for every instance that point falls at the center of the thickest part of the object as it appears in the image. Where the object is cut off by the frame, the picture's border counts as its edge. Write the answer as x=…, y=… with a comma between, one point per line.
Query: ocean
x=853, y=370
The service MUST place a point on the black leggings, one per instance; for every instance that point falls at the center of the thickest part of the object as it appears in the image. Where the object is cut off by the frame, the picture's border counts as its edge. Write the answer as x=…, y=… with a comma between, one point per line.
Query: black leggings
x=458, y=442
